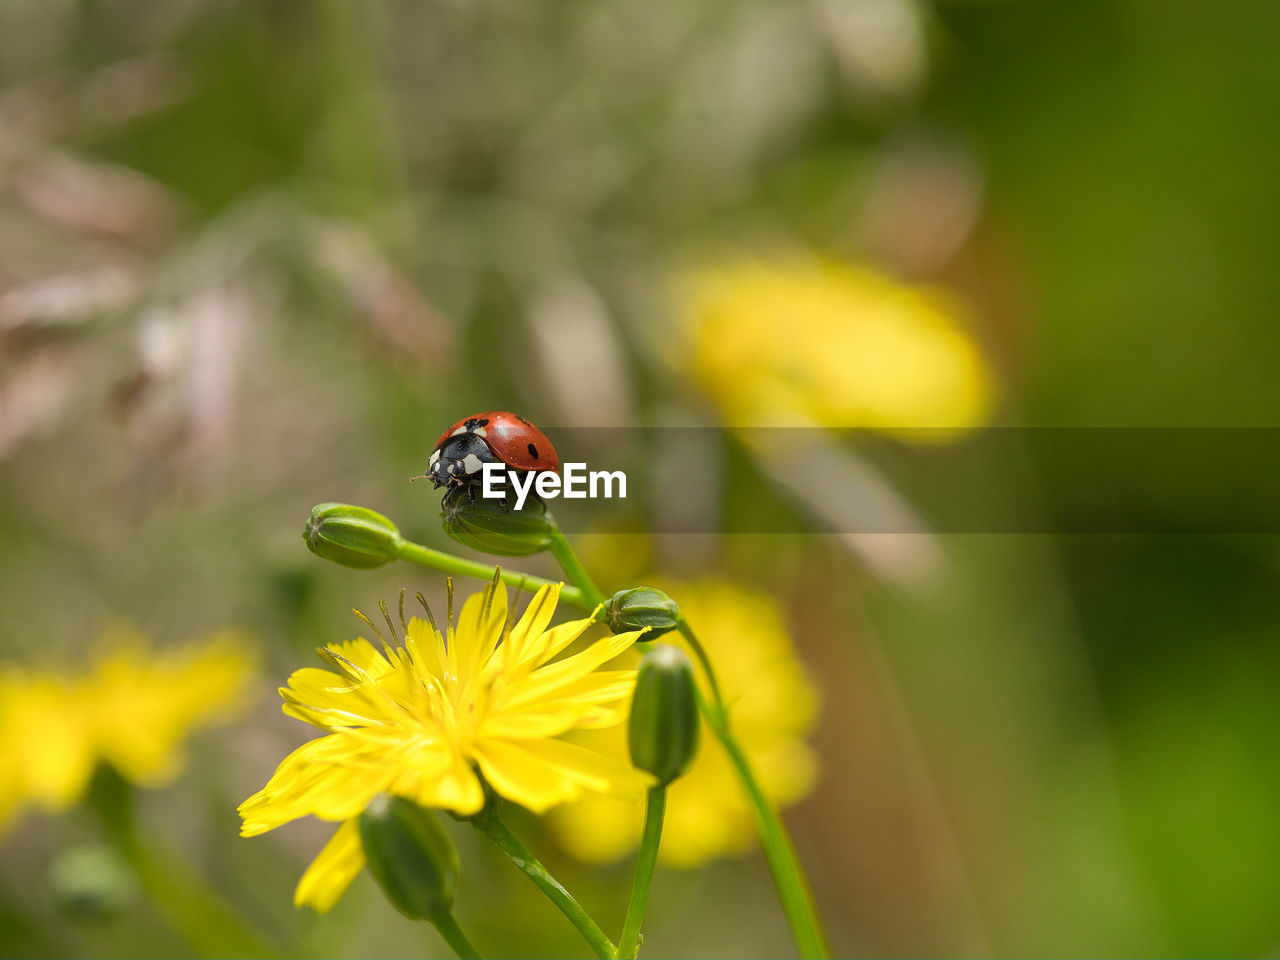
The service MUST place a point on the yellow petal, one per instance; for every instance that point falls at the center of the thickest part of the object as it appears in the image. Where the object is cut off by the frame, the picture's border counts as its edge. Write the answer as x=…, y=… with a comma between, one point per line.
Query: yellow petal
x=542, y=773
x=426, y=647
x=601, y=718
x=525, y=641
x=328, y=700
x=593, y=770
x=557, y=638
x=531, y=724
x=517, y=774
x=581, y=703
x=332, y=871
x=332, y=778
x=454, y=788
x=314, y=681
x=480, y=626
x=57, y=768
x=362, y=654
x=599, y=686
x=549, y=679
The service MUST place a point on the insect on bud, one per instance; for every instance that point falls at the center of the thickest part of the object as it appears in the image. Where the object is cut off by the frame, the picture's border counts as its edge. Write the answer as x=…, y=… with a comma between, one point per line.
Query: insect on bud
x=410, y=856
x=352, y=536
x=491, y=527
x=642, y=607
x=664, y=727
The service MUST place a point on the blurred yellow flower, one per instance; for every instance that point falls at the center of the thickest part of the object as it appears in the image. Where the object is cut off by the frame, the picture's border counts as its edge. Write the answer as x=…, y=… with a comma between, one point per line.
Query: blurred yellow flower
x=133, y=708
x=772, y=704
x=427, y=720
x=800, y=342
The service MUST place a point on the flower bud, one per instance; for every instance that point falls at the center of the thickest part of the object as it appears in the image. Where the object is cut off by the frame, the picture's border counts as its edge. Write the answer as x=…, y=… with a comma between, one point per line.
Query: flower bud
x=91, y=883
x=664, y=726
x=410, y=856
x=492, y=527
x=352, y=536
x=642, y=607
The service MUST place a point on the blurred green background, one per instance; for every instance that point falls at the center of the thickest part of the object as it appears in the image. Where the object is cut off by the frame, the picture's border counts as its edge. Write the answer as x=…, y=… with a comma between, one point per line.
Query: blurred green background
x=254, y=256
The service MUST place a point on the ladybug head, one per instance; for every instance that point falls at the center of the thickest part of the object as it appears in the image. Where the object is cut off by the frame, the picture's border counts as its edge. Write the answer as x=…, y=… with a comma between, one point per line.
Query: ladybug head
x=459, y=460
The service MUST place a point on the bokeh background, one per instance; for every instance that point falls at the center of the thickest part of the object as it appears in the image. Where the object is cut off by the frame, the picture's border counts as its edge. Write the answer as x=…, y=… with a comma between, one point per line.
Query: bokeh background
x=254, y=256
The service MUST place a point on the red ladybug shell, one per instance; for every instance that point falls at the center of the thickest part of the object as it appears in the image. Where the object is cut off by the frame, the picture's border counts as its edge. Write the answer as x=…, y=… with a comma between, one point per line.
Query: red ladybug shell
x=514, y=440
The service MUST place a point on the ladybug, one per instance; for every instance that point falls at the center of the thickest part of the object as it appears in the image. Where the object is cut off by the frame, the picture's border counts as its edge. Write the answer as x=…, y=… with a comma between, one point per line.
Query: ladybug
x=494, y=437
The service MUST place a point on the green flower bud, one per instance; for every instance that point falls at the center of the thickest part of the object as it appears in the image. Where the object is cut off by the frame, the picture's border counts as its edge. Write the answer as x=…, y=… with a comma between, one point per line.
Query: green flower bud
x=664, y=727
x=91, y=883
x=642, y=607
x=352, y=536
x=410, y=856
x=490, y=527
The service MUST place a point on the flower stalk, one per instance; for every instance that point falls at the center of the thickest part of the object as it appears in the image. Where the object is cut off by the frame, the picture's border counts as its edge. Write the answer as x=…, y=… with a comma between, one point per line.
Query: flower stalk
x=784, y=866
x=453, y=935
x=573, y=568
x=492, y=826
x=209, y=924
x=655, y=809
x=448, y=563
x=722, y=712
x=779, y=852
x=662, y=738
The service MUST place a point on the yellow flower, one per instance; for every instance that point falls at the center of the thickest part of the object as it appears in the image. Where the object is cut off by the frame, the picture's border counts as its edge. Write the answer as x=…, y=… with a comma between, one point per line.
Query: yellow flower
x=772, y=706
x=427, y=720
x=798, y=342
x=134, y=709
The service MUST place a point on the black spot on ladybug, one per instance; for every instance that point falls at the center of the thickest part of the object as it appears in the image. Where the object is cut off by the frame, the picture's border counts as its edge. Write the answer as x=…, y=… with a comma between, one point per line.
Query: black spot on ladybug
x=533, y=451
x=475, y=422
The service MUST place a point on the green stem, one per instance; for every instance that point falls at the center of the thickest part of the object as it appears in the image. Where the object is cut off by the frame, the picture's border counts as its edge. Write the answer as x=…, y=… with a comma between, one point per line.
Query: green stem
x=788, y=878
x=454, y=936
x=629, y=942
x=779, y=853
x=439, y=560
x=492, y=826
x=210, y=925
x=691, y=638
x=573, y=568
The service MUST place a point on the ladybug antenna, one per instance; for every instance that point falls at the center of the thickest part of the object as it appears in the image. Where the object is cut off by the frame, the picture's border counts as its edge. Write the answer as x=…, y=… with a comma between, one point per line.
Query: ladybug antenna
x=421, y=476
